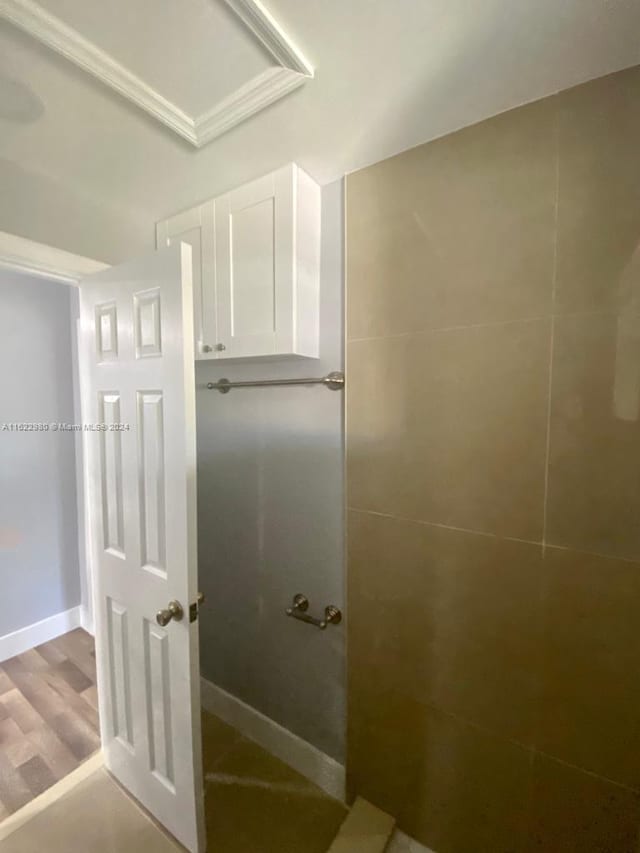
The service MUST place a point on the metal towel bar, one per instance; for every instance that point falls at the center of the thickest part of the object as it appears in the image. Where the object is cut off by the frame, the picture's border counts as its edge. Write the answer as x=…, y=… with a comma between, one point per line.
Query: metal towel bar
x=334, y=381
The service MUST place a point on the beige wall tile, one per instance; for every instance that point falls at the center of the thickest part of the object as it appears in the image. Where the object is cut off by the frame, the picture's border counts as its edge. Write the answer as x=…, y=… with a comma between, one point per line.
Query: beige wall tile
x=594, y=471
x=451, y=619
x=575, y=812
x=462, y=645
x=450, y=427
x=456, y=232
x=460, y=791
x=590, y=708
x=599, y=199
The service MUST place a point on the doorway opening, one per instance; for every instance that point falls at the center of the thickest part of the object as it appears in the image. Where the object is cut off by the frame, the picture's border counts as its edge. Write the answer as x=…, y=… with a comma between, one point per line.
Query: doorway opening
x=49, y=723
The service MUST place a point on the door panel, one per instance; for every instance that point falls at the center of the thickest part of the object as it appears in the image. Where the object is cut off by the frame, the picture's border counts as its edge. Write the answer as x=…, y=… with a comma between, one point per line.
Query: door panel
x=196, y=227
x=137, y=326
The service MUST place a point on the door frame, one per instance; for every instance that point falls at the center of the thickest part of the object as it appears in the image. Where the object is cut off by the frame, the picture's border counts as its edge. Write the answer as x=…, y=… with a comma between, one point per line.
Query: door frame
x=57, y=266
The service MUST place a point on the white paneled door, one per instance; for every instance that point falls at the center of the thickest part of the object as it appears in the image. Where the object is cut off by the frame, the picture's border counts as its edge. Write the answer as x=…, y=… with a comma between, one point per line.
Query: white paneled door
x=139, y=413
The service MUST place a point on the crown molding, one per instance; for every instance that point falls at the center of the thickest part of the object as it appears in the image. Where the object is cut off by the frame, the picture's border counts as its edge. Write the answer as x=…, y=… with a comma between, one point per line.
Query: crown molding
x=265, y=27
x=262, y=90
x=18, y=254
x=270, y=86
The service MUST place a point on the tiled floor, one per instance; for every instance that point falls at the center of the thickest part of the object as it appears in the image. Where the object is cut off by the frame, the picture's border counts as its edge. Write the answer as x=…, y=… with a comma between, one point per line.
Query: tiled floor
x=48, y=717
x=254, y=804
x=257, y=804
x=95, y=817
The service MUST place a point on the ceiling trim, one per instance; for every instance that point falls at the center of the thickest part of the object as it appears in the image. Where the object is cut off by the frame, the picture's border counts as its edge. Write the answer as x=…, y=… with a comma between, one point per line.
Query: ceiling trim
x=292, y=69
x=19, y=254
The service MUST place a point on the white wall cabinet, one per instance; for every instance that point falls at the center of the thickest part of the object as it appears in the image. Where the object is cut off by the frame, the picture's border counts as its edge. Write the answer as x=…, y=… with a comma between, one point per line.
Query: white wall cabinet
x=256, y=258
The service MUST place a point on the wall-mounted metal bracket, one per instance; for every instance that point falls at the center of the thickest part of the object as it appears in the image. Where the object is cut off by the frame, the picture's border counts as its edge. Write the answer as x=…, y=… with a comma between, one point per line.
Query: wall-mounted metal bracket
x=332, y=615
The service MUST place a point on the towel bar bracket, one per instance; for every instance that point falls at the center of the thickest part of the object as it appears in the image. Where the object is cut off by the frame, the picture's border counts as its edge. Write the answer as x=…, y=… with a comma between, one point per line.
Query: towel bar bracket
x=335, y=381
x=332, y=614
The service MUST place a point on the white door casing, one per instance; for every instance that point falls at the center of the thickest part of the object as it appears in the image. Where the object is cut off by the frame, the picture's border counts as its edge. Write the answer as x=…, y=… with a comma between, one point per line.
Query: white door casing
x=137, y=328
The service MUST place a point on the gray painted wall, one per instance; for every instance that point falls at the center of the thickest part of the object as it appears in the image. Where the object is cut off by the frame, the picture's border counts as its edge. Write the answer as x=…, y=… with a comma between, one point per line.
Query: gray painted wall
x=39, y=574
x=270, y=495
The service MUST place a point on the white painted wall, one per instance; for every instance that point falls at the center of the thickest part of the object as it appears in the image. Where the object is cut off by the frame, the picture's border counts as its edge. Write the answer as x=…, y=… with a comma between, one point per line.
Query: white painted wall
x=39, y=563
x=67, y=217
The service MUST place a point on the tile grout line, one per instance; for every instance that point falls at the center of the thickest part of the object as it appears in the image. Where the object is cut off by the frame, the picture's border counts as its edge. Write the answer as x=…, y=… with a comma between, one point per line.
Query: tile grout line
x=530, y=748
x=441, y=526
x=554, y=284
x=498, y=536
x=592, y=773
x=490, y=325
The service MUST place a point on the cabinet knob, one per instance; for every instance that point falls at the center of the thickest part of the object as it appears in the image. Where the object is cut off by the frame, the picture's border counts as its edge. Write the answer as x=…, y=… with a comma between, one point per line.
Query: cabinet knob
x=220, y=347
x=206, y=348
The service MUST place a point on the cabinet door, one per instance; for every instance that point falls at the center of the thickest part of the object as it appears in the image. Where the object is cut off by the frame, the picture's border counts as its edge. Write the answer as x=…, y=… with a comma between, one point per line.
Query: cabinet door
x=255, y=267
x=196, y=227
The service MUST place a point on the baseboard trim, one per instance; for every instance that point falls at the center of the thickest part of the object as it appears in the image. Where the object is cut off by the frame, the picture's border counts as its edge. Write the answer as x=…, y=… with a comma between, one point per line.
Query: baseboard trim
x=10, y=824
x=324, y=771
x=40, y=632
x=86, y=621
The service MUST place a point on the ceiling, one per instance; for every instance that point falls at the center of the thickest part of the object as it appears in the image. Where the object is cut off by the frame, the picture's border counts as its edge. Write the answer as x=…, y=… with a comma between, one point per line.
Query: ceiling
x=386, y=76
x=149, y=38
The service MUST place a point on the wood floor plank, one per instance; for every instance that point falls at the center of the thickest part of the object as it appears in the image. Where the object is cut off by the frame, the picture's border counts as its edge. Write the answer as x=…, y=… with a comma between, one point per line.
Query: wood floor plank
x=37, y=774
x=81, y=739
x=14, y=791
x=21, y=711
x=74, y=676
x=90, y=696
x=5, y=682
x=36, y=689
x=81, y=639
x=48, y=717
x=74, y=647
x=20, y=751
x=14, y=743
x=56, y=753
x=50, y=653
x=71, y=700
x=33, y=661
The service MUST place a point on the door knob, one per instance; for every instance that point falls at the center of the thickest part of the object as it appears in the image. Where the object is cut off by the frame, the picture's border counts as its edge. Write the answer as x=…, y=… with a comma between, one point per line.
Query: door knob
x=173, y=611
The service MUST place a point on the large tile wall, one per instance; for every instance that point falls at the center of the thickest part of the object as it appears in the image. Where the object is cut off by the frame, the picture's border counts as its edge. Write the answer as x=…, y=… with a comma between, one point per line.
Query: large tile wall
x=493, y=480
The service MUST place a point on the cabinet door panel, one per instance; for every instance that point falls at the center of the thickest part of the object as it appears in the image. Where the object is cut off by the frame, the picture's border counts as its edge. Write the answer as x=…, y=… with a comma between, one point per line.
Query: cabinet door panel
x=253, y=282
x=255, y=267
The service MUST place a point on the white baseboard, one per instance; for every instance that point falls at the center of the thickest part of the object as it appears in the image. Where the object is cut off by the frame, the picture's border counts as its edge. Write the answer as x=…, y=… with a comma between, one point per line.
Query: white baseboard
x=40, y=632
x=86, y=621
x=401, y=843
x=324, y=771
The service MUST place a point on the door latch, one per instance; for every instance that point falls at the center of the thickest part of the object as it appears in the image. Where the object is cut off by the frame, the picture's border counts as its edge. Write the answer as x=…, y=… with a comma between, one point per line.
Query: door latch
x=194, y=608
